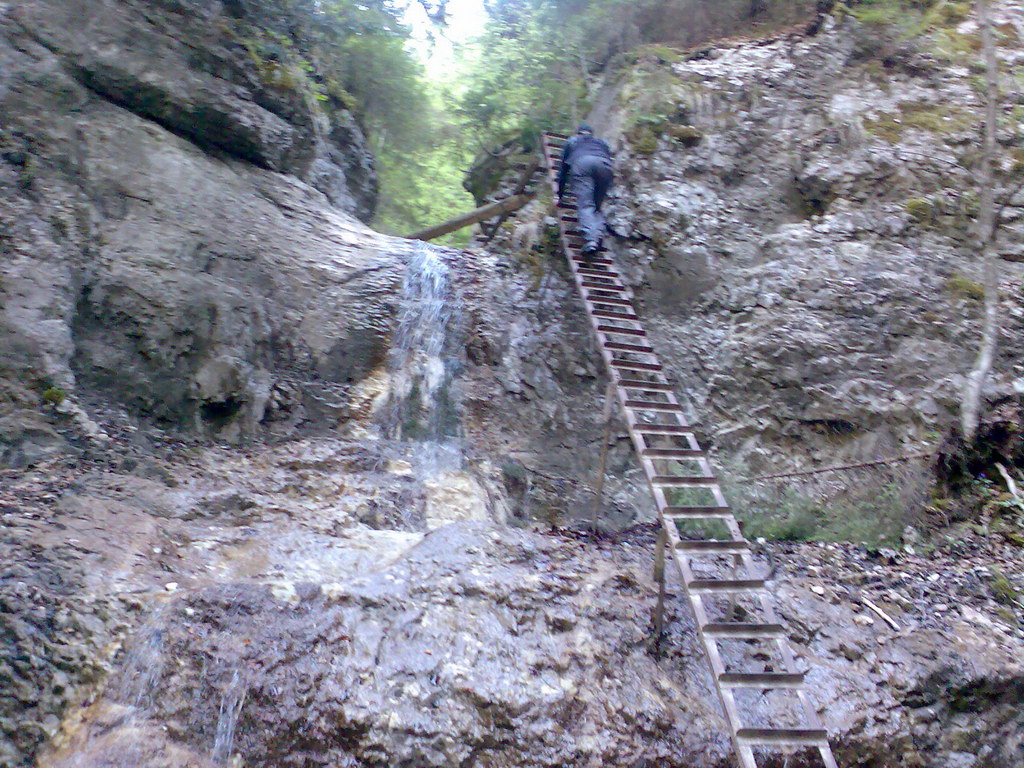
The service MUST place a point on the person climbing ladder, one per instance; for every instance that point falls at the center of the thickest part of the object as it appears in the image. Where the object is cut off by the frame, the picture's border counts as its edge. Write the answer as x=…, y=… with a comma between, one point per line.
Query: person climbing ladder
x=587, y=165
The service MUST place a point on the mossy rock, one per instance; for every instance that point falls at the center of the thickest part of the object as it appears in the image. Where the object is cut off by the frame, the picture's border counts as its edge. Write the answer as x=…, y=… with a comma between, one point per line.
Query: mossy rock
x=644, y=140
x=919, y=115
x=960, y=285
x=921, y=210
x=686, y=135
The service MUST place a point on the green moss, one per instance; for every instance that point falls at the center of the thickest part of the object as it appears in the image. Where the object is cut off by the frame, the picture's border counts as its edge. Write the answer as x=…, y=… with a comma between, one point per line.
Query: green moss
x=643, y=140
x=54, y=396
x=960, y=285
x=874, y=517
x=686, y=135
x=921, y=210
x=951, y=45
x=1002, y=590
x=918, y=115
x=663, y=54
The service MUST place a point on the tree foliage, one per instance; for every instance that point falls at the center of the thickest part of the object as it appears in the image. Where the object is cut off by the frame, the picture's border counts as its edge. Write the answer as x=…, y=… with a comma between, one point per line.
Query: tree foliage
x=354, y=54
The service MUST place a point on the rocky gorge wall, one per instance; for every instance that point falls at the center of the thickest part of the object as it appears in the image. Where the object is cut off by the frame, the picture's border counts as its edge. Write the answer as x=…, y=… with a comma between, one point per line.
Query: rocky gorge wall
x=177, y=229
x=228, y=535
x=806, y=258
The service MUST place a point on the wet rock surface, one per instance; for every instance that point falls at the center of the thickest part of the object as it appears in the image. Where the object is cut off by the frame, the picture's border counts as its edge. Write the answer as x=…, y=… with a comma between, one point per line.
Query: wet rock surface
x=183, y=605
x=167, y=239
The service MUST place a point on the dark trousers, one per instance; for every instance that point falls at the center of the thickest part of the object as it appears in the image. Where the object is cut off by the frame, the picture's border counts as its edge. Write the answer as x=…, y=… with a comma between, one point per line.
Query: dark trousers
x=590, y=178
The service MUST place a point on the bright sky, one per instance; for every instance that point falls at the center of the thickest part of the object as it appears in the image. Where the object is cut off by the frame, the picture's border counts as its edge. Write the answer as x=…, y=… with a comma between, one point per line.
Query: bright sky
x=466, y=19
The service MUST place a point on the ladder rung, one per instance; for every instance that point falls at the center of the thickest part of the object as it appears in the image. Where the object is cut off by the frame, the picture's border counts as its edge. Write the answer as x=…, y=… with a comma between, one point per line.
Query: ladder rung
x=647, y=405
x=808, y=737
x=608, y=300
x=603, y=286
x=724, y=586
x=711, y=545
x=623, y=346
x=740, y=631
x=598, y=272
x=696, y=513
x=761, y=679
x=663, y=429
x=631, y=365
x=676, y=481
x=654, y=386
x=612, y=315
x=622, y=331
x=673, y=453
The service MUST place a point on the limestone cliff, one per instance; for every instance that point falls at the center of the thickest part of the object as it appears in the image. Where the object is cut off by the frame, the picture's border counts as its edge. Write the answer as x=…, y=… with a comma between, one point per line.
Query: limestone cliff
x=188, y=577
x=177, y=229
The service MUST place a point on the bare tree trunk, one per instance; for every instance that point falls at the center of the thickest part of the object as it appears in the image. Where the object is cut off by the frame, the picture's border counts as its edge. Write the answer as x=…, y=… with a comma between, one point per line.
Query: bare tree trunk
x=971, y=407
x=505, y=205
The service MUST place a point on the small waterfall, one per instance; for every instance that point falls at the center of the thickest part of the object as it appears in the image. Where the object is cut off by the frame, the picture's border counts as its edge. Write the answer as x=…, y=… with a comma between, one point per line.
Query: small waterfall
x=230, y=708
x=143, y=665
x=423, y=365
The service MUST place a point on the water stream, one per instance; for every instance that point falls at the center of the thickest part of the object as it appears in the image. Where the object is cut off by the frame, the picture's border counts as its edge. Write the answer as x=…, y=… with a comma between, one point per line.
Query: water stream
x=230, y=708
x=422, y=408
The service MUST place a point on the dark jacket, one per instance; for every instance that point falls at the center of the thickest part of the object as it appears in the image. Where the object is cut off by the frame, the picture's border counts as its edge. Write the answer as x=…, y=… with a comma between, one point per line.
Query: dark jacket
x=580, y=145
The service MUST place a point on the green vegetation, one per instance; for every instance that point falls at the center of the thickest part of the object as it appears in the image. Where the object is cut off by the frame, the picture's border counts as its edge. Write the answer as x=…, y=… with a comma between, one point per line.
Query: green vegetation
x=919, y=115
x=964, y=287
x=874, y=516
x=1002, y=590
x=921, y=210
x=353, y=55
x=54, y=396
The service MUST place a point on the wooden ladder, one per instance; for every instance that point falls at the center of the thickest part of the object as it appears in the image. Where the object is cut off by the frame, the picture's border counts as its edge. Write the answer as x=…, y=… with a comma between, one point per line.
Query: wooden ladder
x=687, y=493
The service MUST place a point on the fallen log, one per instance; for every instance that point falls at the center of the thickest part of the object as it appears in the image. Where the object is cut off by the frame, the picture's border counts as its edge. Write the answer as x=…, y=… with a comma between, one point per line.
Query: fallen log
x=506, y=205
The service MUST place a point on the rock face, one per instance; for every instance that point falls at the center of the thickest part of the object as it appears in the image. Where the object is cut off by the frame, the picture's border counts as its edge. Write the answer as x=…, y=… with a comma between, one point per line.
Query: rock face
x=272, y=604
x=808, y=267
x=176, y=234
x=179, y=263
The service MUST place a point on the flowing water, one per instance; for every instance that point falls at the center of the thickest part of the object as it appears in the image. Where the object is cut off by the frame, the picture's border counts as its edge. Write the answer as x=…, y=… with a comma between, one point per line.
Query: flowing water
x=230, y=708
x=142, y=666
x=421, y=420
x=422, y=407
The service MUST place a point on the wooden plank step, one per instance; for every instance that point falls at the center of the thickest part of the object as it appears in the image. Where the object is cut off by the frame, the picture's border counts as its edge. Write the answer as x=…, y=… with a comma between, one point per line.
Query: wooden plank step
x=647, y=405
x=591, y=272
x=724, y=586
x=673, y=453
x=651, y=386
x=761, y=679
x=682, y=481
x=738, y=630
x=712, y=545
x=621, y=331
x=795, y=737
x=663, y=429
x=696, y=513
x=622, y=346
x=603, y=286
x=604, y=313
x=607, y=300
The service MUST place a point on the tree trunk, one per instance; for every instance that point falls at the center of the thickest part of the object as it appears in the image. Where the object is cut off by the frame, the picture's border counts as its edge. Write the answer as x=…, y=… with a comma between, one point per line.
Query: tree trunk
x=513, y=203
x=970, y=409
